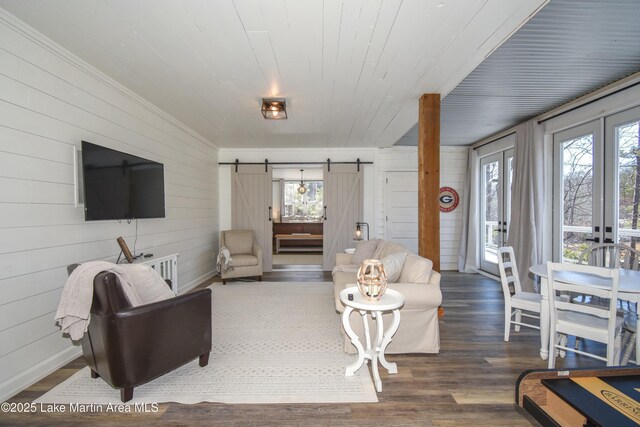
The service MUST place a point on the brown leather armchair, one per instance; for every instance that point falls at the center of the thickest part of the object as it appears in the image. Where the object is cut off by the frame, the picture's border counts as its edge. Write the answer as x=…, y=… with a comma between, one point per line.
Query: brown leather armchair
x=129, y=346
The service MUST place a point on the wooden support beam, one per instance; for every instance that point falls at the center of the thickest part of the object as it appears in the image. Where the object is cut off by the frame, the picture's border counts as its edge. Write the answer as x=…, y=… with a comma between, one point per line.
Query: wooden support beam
x=429, y=178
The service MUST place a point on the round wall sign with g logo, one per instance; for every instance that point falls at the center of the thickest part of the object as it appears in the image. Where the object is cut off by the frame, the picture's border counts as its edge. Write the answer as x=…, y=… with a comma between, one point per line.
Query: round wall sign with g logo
x=449, y=199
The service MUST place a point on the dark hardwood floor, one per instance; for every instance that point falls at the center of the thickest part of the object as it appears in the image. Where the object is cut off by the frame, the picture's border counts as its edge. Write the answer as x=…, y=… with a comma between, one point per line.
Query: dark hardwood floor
x=470, y=382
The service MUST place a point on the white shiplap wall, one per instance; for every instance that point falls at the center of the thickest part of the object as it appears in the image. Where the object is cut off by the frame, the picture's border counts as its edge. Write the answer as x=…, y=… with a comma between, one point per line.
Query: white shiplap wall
x=49, y=102
x=453, y=170
x=453, y=173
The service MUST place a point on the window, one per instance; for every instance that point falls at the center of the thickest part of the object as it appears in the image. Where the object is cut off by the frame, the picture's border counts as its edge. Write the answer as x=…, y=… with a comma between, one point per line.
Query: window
x=307, y=206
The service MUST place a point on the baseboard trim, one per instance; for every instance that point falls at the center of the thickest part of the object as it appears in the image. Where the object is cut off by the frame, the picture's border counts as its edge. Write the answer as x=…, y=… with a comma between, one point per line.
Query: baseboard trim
x=192, y=284
x=16, y=384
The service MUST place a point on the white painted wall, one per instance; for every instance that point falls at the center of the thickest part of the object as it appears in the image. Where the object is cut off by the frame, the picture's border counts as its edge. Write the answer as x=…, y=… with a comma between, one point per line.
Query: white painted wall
x=453, y=173
x=49, y=102
x=453, y=170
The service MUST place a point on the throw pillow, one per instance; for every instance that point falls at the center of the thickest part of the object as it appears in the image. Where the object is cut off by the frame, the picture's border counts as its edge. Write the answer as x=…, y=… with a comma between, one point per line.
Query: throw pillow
x=416, y=269
x=364, y=250
x=148, y=283
x=385, y=247
x=393, y=266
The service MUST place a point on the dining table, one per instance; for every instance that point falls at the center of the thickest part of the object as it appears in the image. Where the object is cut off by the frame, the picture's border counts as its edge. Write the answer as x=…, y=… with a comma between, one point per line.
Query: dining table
x=628, y=290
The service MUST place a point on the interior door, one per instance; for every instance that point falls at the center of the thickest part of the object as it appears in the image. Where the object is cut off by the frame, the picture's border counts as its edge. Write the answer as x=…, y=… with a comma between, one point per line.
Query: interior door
x=402, y=209
x=251, y=198
x=343, y=190
x=496, y=175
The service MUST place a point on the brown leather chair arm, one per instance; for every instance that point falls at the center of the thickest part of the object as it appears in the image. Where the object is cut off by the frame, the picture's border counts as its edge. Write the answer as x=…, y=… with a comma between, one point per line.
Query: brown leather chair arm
x=153, y=339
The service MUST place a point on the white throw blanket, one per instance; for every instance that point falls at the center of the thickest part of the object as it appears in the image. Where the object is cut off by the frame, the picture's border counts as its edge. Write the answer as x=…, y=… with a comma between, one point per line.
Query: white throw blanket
x=140, y=283
x=223, y=263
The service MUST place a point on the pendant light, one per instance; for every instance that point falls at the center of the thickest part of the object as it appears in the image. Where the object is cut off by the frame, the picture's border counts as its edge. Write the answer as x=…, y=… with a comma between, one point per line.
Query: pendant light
x=302, y=189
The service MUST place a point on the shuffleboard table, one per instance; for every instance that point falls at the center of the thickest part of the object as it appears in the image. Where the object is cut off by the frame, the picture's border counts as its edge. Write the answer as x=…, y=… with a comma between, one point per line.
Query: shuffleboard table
x=581, y=397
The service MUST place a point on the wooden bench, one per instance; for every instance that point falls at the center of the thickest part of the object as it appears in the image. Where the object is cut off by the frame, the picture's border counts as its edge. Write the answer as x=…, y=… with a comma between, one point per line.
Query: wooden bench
x=302, y=238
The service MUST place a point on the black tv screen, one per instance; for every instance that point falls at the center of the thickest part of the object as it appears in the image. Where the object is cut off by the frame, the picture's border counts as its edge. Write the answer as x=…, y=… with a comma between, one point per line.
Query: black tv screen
x=118, y=185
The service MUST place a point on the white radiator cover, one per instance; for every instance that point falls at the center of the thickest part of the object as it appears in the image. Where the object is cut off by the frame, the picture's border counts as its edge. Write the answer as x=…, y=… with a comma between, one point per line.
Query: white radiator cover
x=167, y=266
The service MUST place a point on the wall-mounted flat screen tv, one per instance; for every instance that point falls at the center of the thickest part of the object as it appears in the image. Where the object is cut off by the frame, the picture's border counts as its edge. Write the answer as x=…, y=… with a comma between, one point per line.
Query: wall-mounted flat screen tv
x=118, y=185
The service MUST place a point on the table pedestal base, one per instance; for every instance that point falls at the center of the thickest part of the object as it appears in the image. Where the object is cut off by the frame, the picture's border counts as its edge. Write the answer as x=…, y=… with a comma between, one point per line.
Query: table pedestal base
x=373, y=353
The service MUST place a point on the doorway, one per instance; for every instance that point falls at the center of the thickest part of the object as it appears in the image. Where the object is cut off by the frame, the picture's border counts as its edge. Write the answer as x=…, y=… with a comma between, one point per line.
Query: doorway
x=298, y=222
x=327, y=210
x=496, y=175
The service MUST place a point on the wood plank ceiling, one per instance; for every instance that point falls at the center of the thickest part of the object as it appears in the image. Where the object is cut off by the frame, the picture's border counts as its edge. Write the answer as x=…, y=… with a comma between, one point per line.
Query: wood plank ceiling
x=570, y=48
x=352, y=70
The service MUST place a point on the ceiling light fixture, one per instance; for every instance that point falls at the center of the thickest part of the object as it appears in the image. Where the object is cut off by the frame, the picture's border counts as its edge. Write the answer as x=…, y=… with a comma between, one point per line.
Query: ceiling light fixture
x=274, y=108
x=302, y=189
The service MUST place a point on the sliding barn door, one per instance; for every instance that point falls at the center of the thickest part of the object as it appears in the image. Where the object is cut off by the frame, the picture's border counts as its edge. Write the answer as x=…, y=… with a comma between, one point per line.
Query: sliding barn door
x=251, y=205
x=343, y=188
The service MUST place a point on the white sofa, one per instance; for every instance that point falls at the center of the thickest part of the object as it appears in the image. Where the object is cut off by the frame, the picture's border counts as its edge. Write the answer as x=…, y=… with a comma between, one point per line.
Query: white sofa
x=417, y=282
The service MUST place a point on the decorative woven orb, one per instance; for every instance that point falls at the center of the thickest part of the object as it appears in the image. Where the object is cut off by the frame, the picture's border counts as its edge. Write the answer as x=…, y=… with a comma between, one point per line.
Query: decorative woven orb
x=372, y=279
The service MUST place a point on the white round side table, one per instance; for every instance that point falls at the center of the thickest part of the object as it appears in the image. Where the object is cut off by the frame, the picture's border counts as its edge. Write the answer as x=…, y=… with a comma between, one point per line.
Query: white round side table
x=391, y=301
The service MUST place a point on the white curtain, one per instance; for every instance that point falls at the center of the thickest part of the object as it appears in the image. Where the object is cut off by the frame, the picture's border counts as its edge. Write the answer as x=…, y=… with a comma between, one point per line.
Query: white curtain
x=469, y=255
x=527, y=229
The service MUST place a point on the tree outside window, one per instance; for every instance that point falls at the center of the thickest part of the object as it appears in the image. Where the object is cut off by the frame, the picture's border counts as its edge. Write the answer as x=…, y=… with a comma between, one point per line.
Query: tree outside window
x=307, y=206
x=578, y=182
x=628, y=137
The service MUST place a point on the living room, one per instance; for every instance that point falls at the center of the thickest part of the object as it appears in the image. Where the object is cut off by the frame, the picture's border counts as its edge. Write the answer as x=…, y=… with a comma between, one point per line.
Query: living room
x=96, y=71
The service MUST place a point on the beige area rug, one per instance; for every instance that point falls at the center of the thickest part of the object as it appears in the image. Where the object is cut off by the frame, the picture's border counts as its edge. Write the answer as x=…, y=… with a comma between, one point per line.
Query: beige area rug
x=272, y=343
x=297, y=259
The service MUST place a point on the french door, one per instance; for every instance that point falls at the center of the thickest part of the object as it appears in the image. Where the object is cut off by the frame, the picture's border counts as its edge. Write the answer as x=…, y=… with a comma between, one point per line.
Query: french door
x=597, y=185
x=496, y=175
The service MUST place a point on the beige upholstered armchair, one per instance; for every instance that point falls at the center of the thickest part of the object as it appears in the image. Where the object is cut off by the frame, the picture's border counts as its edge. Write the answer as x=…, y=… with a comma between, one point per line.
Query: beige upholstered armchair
x=244, y=256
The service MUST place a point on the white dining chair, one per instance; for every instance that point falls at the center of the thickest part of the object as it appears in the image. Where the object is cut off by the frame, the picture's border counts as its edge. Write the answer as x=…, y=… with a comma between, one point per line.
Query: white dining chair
x=611, y=255
x=519, y=303
x=615, y=255
x=592, y=322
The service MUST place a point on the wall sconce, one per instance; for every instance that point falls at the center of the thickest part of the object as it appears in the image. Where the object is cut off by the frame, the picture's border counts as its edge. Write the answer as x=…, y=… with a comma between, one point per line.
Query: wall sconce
x=358, y=233
x=274, y=108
